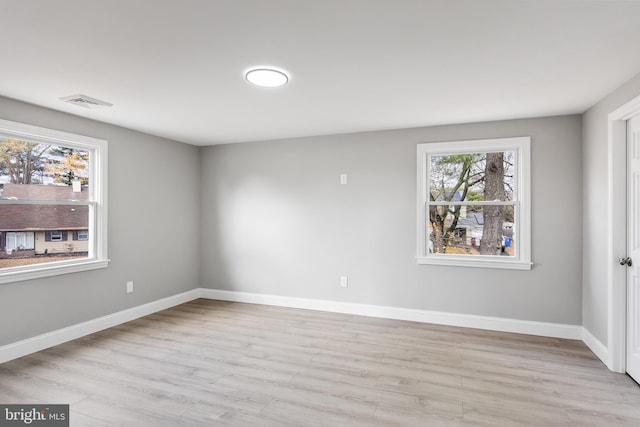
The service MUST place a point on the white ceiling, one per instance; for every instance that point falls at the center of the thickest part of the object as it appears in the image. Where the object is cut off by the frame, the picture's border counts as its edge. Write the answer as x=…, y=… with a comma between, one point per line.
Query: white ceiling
x=176, y=68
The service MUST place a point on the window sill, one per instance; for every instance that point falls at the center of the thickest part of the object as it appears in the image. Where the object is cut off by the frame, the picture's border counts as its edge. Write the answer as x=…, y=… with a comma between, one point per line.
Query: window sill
x=493, y=262
x=53, y=269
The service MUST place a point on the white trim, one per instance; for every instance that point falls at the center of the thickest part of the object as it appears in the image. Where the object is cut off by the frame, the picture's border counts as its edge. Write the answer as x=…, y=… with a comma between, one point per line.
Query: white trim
x=31, y=345
x=46, y=135
x=51, y=269
x=463, y=261
x=616, y=232
x=492, y=145
x=99, y=214
x=425, y=316
x=522, y=146
x=594, y=344
x=421, y=215
x=50, y=339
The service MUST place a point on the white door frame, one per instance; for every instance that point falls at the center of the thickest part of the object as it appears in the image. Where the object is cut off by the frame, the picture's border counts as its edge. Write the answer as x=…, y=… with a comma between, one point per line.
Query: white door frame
x=616, y=232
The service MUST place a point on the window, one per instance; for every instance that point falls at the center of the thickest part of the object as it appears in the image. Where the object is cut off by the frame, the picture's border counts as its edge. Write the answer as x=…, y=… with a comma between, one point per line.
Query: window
x=56, y=236
x=52, y=192
x=81, y=235
x=473, y=203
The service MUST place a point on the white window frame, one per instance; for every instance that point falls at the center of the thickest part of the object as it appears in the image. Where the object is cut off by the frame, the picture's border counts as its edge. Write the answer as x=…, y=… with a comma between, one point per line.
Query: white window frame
x=97, y=257
x=522, y=196
x=58, y=236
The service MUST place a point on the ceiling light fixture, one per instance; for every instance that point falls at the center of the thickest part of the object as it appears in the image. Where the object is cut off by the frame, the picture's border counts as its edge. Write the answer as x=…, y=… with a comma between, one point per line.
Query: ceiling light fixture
x=267, y=77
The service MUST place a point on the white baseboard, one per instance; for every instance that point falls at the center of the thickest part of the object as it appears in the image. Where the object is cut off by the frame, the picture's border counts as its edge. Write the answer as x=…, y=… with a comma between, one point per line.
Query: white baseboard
x=40, y=342
x=50, y=339
x=425, y=316
x=596, y=346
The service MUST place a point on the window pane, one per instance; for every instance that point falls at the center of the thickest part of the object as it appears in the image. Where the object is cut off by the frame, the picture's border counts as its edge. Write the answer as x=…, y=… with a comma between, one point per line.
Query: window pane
x=34, y=234
x=472, y=177
x=471, y=230
x=34, y=171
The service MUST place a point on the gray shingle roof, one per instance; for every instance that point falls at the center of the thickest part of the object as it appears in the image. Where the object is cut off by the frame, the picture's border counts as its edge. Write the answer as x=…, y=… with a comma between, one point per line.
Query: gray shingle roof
x=42, y=217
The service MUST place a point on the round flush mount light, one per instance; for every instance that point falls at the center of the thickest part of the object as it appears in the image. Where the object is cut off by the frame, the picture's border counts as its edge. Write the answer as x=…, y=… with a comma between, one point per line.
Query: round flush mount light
x=267, y=77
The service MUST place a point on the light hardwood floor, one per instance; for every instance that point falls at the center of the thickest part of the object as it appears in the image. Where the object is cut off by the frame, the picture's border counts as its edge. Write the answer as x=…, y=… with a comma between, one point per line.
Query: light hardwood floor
x=210, y=363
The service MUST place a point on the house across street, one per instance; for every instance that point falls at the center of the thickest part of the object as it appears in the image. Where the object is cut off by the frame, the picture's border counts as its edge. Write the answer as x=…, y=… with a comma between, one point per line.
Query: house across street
x=43, y=230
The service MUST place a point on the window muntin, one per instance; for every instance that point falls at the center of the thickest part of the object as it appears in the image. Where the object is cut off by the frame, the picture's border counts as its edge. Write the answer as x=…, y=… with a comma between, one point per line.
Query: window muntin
x=53, y=191
x=56, y=236
x=473, y=203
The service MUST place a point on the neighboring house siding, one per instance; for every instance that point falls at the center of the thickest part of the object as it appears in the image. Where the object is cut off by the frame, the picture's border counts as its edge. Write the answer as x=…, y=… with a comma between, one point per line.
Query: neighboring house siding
x=44, y=245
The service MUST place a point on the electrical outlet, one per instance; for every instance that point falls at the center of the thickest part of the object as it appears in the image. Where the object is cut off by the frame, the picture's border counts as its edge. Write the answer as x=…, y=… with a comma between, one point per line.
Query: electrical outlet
x=129, y=287
x=344, y=282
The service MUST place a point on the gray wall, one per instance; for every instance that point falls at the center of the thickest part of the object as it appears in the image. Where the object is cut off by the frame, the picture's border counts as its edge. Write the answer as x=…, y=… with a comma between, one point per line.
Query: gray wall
x=276, y=221
x=596, y=194
x=153, y=236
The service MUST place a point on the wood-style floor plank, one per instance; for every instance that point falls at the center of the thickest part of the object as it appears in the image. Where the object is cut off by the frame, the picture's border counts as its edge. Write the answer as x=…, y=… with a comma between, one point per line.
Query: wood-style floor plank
x=209, y=363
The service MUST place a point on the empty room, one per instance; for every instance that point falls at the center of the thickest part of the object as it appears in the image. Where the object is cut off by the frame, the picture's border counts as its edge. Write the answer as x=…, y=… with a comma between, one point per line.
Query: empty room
x=320, y=213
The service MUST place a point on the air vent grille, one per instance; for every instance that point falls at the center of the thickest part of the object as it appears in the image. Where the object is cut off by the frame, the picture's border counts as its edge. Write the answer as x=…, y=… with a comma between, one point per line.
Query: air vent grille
x=85, y=101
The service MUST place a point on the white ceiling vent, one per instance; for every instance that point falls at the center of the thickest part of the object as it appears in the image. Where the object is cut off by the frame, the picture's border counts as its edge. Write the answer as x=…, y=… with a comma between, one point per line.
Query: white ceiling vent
x=85, y=101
